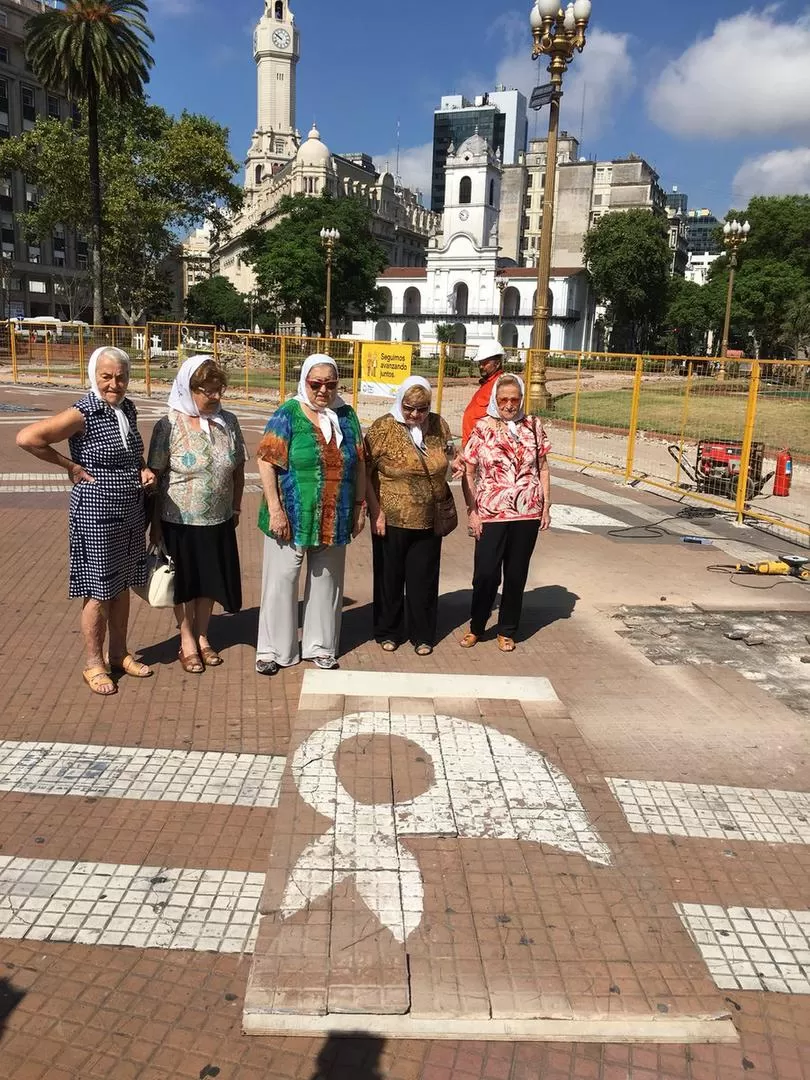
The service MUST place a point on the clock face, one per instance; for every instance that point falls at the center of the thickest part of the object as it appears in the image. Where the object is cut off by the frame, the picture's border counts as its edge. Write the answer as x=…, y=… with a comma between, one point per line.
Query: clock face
x=463, y=215
x=281, y=39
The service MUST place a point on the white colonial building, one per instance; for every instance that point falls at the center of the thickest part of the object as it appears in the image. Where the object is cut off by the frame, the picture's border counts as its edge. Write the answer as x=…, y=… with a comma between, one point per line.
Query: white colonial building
x=460, y=284
x=280, y=162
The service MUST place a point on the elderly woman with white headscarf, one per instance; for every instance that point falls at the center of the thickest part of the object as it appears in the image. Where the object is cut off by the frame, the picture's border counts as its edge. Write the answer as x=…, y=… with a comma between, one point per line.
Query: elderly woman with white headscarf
x=311, y=464
x=507, y=489
x=198, y=455
x=408, y=451
x=106, y=519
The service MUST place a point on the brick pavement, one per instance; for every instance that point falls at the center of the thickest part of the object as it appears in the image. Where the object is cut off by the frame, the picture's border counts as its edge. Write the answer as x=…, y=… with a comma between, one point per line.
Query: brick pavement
x=102, y=1011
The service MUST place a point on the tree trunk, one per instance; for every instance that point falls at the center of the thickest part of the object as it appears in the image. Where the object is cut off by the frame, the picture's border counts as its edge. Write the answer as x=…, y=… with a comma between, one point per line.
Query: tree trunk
x=95, y=208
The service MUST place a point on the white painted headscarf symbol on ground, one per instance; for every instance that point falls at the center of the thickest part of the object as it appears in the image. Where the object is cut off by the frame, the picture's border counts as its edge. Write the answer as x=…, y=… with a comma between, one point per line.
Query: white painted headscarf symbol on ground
x=486, y=784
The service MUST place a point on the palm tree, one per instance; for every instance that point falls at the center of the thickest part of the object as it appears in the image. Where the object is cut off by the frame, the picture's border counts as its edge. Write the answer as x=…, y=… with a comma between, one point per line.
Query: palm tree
x=87, y=48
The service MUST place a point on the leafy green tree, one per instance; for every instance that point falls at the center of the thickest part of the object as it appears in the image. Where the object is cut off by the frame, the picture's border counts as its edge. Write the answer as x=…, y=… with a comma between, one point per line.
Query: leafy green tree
x=217, y=302
x=290, y=261
x=628, y=258
x=688, y=318
x=780, y=230
x=160, y=174
x=763, y=290
x=796, y=326
x=86, y=49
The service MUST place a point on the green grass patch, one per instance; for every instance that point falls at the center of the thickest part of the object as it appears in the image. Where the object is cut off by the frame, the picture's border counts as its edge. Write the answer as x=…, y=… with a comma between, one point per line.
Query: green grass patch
x=781, y=421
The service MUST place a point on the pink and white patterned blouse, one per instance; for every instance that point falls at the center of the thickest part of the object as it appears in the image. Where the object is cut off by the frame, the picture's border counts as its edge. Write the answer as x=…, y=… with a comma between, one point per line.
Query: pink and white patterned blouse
x=508, y=484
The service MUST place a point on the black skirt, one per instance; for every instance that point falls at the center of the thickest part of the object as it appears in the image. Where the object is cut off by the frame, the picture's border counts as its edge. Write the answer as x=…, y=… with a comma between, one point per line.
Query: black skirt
x=206, y=559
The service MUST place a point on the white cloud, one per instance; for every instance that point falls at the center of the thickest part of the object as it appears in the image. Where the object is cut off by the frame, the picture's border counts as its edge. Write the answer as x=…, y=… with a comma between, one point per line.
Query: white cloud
x=781, y=172
x=602, y=75
x=751, y=77
x=415, y=167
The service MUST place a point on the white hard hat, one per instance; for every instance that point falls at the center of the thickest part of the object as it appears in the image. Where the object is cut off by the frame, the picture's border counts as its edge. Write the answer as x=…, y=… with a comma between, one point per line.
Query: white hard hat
x=488, y=349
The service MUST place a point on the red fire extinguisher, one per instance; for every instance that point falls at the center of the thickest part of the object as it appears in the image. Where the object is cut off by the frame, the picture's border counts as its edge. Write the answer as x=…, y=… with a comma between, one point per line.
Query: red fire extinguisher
x=784, y=473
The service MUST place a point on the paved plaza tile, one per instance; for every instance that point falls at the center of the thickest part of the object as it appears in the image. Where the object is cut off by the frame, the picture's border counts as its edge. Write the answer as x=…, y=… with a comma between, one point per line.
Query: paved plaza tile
x=136, y=833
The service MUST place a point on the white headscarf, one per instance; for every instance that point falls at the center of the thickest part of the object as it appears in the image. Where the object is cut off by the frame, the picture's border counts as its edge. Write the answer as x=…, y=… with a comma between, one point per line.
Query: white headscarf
x=327, y=418
x=182, y=400
x=415, y=432
x=492, y=408
x=120, y=415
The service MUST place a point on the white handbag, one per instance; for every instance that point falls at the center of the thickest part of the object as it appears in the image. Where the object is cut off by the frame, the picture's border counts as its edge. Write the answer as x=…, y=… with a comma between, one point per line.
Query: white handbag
x=158, y=591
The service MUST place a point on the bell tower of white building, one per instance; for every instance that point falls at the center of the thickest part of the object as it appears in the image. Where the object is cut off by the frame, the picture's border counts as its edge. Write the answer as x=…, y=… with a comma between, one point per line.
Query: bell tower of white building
x=473, y=192
x=276, y=49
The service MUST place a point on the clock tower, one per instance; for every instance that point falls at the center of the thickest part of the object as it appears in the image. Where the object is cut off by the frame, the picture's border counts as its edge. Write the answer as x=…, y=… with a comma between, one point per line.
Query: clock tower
x=276, y=49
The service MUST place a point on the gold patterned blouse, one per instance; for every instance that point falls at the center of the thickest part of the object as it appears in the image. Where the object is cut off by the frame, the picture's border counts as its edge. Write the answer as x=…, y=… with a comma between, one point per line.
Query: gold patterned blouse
x=406, y=495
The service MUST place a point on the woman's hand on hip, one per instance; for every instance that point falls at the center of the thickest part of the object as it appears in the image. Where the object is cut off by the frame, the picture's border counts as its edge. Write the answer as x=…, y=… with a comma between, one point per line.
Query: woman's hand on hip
x=280, y=524
x=378, y=524
x=78, y=475
x=476, y=525
x=359, y=519
x=545, y=518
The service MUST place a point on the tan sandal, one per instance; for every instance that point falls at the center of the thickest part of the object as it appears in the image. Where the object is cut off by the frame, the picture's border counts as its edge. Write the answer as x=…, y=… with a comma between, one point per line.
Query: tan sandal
x=131, y=666
x=505, y=644
x=191, y=664
x=468, y=640
x=210, y=657
x=99, y=681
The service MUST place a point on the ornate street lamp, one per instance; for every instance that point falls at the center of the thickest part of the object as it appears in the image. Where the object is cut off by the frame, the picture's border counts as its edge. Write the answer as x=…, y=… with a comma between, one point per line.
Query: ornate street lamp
x=734, y=236
x=500, y=282
x=329, y=237
x=558, y=33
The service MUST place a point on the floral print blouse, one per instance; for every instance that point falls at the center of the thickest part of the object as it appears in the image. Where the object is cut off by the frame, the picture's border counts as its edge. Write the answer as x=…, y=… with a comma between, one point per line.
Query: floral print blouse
x=195, y=485
x=508, y=484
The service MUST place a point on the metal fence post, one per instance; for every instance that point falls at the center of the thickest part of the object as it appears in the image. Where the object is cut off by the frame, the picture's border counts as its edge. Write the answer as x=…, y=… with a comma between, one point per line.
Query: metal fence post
x=356, y=377
x=747, y=441
x=575, y=417
x=81, y=356
x=12, y=329
x=684, y=418
x=282, y=370
x=147, y=359
x=440, y=378
x=633, y=429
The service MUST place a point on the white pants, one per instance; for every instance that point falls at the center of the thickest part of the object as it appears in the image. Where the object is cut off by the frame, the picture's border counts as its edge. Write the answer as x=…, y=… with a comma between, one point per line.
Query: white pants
x=323, y=602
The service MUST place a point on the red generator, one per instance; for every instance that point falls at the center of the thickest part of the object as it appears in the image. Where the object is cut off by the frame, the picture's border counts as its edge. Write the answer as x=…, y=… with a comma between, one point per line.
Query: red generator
x=716, y=470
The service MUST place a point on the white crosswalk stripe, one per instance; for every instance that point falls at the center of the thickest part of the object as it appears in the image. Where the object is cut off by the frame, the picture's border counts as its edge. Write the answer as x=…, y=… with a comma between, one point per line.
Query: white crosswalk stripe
x=715, y=811
x=752, y=948
x=136, y=906
x=119, y=772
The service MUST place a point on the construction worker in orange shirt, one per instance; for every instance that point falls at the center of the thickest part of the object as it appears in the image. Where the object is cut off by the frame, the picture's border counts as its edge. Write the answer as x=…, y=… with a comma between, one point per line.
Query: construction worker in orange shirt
x=490, y=357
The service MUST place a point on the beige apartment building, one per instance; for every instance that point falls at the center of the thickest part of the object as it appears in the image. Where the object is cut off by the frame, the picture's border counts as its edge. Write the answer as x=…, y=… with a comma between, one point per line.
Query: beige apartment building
x=37, y=276
x=586, y=190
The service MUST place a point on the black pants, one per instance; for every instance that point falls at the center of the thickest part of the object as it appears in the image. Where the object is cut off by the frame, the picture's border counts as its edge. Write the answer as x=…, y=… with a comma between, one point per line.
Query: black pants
x=505, y=546
x=406, y=583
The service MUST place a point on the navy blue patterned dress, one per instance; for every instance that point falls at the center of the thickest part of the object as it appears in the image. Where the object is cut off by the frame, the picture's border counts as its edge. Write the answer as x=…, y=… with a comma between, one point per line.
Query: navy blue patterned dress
x=106, y=524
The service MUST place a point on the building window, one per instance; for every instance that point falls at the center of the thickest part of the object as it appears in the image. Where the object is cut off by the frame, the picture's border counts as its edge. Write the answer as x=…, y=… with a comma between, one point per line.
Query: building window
x=29, y=104
x=597, y=200
x=3, y=54
x=279, y=76
x=36, y=286
x=54, y=111
x=31, y=197
x=465, y=190
x=3, y=18
x=529, y=180
x=4, y=129
x=7, y=235
x=492, y=193
x=34, y=253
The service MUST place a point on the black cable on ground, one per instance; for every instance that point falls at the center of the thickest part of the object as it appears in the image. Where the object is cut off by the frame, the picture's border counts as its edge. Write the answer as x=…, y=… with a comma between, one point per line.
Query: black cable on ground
x=745, y=580
x=654, y=530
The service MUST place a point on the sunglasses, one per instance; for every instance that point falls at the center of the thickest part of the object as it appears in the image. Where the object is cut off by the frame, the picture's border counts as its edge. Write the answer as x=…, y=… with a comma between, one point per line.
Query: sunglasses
x=319, y=384
x=416, y=408
x=209, y=393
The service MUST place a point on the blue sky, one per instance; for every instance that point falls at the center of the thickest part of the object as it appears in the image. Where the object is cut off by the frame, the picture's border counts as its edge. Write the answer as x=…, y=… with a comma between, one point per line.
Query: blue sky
x=714, y=95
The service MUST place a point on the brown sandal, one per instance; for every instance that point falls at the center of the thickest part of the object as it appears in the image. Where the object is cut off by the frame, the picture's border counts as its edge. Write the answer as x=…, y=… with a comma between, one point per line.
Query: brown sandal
x=192, y=664
x=210, y=657
x=468, y=640
x=505, y=644
x=131, y=666
x=98, y=677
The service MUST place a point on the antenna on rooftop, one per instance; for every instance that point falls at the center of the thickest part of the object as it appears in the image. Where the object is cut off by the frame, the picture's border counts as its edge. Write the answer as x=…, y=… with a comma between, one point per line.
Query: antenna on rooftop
x=397, y=177
x=582, y=117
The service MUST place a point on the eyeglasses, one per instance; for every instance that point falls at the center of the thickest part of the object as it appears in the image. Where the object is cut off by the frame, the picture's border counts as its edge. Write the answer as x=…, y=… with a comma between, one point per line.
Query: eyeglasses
x=416, y=408
x=319, y=384
x=215, y=393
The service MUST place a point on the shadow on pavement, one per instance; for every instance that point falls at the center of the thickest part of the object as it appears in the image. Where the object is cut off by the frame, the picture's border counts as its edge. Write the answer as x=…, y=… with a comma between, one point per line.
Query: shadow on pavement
x=542, y=606
x=10, y=998
x=353, y=1056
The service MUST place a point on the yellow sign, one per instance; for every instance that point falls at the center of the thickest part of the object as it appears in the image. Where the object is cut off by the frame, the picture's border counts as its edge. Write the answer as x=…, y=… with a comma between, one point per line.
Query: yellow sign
x=385, y=367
